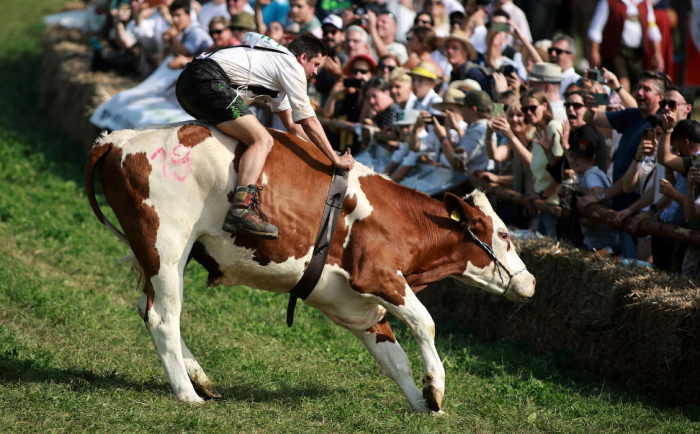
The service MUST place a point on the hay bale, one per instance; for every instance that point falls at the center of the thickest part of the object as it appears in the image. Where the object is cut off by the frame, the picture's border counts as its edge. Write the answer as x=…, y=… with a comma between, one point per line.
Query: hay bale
x=635, y=324
x=68, y=90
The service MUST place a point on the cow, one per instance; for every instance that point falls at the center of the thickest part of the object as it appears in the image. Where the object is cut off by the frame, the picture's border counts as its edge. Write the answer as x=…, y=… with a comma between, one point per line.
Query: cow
x=170, y=187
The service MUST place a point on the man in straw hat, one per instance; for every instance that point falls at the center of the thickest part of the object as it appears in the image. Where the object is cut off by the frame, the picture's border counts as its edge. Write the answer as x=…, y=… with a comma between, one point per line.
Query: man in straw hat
x=425, y=77
x=214, y=88
x=471, y=153
x=448, y=130
x=242, y=24
x=547, y=76
x=461, y=55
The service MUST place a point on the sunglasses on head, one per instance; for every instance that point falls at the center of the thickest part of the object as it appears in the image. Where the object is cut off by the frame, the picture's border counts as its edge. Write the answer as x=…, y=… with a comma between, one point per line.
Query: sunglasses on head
x=558, y=51
x=574, y=105
x=359, y=71
x=530, y=108
x=672, y=105
x=382, y=66
x=216, y=32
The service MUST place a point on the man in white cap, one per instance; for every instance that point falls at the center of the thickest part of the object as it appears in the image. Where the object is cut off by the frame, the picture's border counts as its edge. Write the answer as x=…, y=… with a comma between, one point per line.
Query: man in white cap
x=547, y=76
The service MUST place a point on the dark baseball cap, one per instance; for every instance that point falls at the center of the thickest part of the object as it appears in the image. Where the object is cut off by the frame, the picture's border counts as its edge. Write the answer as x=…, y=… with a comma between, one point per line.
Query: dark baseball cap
x=687, y=129
x=584, y=141
x=479, y=99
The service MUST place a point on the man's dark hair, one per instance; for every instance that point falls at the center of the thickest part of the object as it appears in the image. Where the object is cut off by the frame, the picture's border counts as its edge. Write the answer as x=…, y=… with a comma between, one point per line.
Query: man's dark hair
x=180, y=4
x=415, y=20
x=309, y=44
x=377, y=83
x=685, y=93
x=501, y=13
x=662, y=80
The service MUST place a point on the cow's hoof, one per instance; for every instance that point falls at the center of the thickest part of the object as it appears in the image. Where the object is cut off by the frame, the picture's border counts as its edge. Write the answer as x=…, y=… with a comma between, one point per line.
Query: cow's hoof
x=207, y=391
x=433, y=397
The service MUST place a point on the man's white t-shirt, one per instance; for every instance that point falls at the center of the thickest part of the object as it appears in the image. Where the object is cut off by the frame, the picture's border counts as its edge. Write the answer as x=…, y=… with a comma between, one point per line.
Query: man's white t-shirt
x=276, y=71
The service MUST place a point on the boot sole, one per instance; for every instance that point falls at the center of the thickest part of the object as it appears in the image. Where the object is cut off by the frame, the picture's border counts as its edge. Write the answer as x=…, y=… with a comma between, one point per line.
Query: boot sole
x=241, y=230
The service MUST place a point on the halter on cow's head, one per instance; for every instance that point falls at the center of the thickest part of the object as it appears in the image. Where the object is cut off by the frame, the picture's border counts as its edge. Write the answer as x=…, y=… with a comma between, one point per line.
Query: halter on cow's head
x=492, y=262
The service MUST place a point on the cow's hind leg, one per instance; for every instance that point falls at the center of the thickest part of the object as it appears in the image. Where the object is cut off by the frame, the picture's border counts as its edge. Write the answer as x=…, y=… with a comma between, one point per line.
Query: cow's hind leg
x=381, y=343
x=163, y=322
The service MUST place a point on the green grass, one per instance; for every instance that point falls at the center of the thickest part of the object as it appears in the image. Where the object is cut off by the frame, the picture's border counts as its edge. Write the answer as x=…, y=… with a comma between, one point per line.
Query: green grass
x=75, y=356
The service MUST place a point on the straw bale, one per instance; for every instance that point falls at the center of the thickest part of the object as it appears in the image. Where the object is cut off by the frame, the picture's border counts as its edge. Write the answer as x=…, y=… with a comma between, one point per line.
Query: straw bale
x=638, y=325
x=68, y=90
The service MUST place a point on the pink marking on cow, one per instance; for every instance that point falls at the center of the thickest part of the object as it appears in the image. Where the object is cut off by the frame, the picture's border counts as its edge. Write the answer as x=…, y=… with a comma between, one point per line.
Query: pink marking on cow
x=176, y=159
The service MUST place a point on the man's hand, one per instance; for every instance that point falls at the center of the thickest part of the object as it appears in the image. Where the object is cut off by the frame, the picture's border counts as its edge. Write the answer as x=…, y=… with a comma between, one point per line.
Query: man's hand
x=515, y=31
x=179, y=61
x=621, y=216
x=666, y=188
x=486, y=176
x=638, y=219
x=658, y=62
x=344, y=161
x=693, y=177
x=172, y=32
x=611, y=78
x=500, y=84
x=371, y=20
x=587, y=200
x=333, y=67
x=669, y=120
x=440, y=131
x=646, y=148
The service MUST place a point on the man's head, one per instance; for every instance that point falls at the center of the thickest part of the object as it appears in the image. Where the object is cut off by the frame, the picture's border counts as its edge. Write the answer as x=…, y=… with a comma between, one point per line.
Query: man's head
x=236, y=7
x=421, y=39
x=546, y=76
x=686, y=137
x=378, y=95
x=649, y=92
x=424, y=78
x=241, y=24
x=563, y=51
x=582, y=148
x=302, y=11
x=386, y=25
x=477, y=106
x=424, y=19
x=180, y=11
x=401, y=85
x=458, y=49
x=309, y=51
x=496, y=40
x=452, y=101
x=677, y=100
x=333, y=35
x=356, y=41
x=220, y=32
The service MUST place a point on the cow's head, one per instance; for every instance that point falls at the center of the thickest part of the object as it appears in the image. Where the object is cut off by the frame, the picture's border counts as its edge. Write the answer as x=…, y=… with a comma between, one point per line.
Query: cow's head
x=491, y=251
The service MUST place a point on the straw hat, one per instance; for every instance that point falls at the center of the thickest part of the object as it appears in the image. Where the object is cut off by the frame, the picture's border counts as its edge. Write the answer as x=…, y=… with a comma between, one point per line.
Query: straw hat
x=452, y=96
x=462, y=37
x=469, y=83
x=425, y=69
x=243, y=21
x=544, y=72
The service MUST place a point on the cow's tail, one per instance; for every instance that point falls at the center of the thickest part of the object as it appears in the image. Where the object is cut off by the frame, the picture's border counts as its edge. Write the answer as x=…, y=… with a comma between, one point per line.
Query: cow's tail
x=97, y=154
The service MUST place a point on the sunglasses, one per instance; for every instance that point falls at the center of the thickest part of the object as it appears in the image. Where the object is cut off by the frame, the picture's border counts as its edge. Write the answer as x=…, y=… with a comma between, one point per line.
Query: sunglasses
x=330, y=31
x=382, y=66
x=530, y=108
x=574, y=105
x=672, y=105
x=359, y=71
x=216, y=32
x=423, y=22
x=559, y=51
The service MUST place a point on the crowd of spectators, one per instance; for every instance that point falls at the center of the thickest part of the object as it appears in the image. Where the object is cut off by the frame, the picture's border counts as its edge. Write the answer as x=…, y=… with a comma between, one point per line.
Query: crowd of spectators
x=583, y=113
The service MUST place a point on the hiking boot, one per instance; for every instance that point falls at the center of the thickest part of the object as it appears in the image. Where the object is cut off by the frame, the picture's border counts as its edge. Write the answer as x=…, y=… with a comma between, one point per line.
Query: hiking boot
x=245, y=216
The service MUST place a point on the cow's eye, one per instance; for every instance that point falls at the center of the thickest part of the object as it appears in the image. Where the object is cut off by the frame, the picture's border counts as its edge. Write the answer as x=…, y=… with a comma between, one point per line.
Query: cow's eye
x=504, y=236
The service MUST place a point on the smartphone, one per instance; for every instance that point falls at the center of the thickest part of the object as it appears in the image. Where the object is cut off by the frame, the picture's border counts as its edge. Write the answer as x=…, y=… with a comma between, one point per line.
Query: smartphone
x=649, y=134
x=440, y=119
x=595, y=75
x=695, y=158
x=602, y=98
x=507, y=70
x=500, y=27
x=496, y=110
x=353, y=82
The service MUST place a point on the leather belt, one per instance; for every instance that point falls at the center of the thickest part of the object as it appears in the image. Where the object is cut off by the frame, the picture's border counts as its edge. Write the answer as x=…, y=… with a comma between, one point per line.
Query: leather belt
x=331, y=213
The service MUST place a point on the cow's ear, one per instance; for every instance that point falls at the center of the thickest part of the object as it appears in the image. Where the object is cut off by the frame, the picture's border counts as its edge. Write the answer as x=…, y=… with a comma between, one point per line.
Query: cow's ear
x=457, y=209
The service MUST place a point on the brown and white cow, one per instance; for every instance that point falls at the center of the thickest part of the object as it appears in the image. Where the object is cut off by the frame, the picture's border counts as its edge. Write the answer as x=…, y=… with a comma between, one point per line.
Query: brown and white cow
x=169, y=187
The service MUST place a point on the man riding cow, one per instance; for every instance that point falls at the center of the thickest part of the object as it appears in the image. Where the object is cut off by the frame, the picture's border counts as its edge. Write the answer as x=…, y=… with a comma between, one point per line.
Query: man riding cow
x=213, y=88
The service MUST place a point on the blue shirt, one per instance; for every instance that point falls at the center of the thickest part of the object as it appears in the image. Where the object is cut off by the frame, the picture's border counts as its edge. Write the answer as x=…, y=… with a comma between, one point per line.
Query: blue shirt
x=196, y=39
x=277, y=10
x=675, y=213
x=598, y=236
x=630, y=124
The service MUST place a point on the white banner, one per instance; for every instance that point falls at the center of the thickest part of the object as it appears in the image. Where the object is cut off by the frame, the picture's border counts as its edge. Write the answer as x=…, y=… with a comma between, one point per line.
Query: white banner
x=151, y=102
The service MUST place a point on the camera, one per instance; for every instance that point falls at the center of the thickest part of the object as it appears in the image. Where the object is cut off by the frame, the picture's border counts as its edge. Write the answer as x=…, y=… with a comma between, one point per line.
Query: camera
x=353, y=82
x=595, y=75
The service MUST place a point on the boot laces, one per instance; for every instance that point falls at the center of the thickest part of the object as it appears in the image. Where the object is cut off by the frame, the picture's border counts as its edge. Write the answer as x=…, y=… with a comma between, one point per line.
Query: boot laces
x=254, y=205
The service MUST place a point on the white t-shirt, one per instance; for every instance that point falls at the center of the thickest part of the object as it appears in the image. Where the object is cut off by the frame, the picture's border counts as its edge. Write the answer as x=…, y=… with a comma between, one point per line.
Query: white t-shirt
x=276, y=71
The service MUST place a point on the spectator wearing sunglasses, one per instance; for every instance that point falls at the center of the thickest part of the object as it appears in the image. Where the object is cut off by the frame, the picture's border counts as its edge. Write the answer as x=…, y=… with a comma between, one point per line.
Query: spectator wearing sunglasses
x=382, y=28
x=221, y=33
x=562, y=53
x=424, y=19
x=386, y=65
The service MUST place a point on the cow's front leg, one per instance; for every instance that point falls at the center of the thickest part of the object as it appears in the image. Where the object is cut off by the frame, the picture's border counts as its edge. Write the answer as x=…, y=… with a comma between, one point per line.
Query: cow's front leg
x=381, y=343
x=202, y=384
x=163, y=322
x=416, y=316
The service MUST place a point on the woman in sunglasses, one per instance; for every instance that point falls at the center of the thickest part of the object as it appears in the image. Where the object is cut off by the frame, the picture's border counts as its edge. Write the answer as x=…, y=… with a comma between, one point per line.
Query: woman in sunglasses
x=221, y=33
x=547, y=141
x=387, y=64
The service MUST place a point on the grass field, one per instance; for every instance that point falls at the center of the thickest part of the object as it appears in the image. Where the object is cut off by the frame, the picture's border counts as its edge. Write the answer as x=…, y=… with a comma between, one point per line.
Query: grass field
x=75, y=356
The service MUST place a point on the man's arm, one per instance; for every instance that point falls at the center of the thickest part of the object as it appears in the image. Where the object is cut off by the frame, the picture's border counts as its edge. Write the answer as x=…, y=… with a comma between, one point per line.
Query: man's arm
x=314, y=131
x=379, y=45
x=665, y=157
x=596, y=118
x=288, y=122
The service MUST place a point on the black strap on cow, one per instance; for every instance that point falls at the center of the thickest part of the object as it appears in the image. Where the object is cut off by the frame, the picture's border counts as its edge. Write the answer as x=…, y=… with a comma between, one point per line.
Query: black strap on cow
x=331, y=212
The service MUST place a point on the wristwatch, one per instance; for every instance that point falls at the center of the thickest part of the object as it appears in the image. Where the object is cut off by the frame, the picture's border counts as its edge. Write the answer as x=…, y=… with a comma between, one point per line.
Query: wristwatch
x=601, y=196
